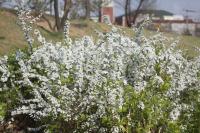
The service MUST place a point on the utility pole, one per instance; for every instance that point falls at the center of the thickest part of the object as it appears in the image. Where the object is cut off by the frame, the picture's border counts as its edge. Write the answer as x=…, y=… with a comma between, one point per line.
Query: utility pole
x=187, y=16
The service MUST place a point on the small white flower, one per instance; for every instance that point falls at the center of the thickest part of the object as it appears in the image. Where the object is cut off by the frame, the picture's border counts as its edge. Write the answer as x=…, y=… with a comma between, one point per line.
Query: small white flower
x=141, y=105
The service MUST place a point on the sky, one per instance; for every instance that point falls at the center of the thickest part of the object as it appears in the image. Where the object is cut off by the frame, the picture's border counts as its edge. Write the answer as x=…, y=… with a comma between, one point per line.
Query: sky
x=175, y=6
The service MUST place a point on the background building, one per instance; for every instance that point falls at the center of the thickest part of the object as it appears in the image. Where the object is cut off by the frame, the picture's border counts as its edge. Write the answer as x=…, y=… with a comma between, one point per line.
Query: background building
x=165, y=21
x=107, y=10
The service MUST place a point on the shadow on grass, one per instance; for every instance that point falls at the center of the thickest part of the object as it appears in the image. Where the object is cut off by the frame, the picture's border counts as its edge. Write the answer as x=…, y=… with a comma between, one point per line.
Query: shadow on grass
x=83, y=25
x=51, y=34
x=2, y=38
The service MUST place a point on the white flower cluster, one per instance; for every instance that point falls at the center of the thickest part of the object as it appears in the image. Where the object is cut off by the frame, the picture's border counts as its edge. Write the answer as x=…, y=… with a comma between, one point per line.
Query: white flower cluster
x=86, y=76
x=4, y=69
x=70, y=79
x=25, y=21
x=155, y=61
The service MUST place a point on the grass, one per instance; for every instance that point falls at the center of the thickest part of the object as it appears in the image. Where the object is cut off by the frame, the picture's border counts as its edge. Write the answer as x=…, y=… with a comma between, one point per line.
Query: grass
x=11, y=37
x=189, y=45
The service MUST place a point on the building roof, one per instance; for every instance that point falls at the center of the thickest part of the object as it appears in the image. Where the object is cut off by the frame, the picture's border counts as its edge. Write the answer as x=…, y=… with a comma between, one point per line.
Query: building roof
x=156, y=13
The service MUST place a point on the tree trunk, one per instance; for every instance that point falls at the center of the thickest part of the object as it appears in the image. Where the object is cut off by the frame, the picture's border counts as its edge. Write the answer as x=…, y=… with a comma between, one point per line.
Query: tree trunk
x=128, y=12
x=87, y=9
x=100, y=15
x=67, y=7
x=131, y=18
x=137, y=11
x=57, y=18
x=60, y=22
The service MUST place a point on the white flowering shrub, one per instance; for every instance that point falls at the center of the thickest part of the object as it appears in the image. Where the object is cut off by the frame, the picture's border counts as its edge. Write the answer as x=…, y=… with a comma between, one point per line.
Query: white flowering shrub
x=115, y=84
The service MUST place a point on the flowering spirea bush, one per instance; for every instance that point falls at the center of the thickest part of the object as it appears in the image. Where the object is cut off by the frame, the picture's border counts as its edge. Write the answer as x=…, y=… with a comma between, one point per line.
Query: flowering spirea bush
x=115, y=84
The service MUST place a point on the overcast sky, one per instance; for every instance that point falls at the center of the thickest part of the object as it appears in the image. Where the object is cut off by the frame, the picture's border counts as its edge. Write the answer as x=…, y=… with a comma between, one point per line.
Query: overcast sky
x=175, y=6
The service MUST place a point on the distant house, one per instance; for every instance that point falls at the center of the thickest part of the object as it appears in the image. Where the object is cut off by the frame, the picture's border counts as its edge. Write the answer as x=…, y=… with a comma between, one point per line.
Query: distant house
x=165, y=21
x=107, y=11
x=178, y=24
x=154, y=14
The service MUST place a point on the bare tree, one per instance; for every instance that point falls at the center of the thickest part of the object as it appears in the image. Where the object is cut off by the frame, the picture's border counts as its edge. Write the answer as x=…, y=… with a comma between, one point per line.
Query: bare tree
x=44, y=5
x=87, y=9
x=41, y=6
x=38, y=5
x=60, y=21
x=137, y=11
x=128, y=12
x=96, y=7
x=132, y=14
